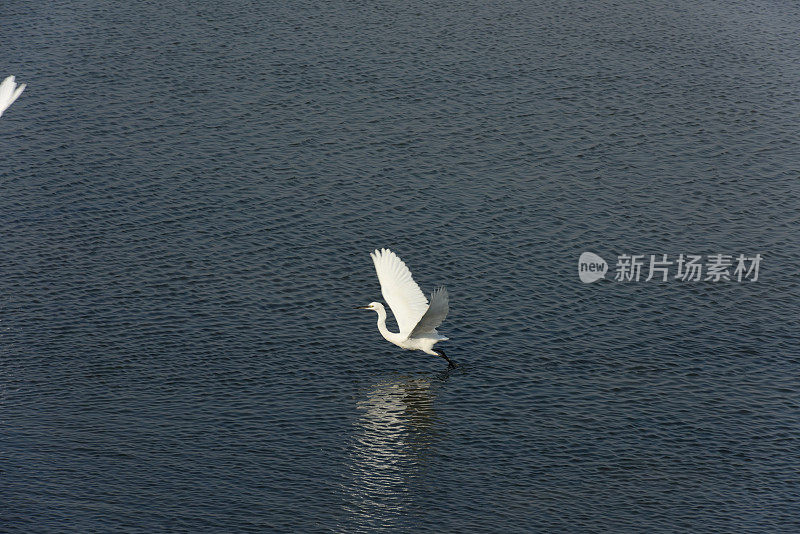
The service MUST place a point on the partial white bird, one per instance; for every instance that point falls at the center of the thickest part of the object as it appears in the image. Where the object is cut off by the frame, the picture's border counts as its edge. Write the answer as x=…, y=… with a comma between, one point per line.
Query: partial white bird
x=9, y=92
x=416, y=318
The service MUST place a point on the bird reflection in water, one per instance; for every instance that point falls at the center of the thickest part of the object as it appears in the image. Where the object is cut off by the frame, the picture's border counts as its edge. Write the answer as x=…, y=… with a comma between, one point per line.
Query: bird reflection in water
x=395, y=438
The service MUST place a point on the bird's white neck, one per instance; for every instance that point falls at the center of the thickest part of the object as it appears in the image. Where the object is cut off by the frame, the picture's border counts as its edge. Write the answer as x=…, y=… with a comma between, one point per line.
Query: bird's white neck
x=388, y=336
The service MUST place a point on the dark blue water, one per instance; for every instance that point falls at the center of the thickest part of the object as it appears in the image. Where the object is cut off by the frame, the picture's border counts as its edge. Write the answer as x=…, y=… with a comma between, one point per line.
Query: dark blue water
x=189, y=195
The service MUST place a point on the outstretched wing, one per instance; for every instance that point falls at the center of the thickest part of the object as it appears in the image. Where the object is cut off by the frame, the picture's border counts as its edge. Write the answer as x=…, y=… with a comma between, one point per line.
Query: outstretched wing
x=9, y=92
x=401, y=293
x=437, y=311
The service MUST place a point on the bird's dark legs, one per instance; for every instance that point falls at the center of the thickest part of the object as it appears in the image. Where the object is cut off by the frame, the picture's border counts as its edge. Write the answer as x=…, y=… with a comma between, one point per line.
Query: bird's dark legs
x=450, y=363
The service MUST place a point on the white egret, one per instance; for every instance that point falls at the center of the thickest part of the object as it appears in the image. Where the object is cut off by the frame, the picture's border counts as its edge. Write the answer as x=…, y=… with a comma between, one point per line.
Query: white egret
x=9, y=92
x=416, y=319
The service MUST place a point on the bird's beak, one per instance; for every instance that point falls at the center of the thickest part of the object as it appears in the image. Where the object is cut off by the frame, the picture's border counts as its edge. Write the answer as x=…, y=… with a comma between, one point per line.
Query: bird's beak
x=361, y=308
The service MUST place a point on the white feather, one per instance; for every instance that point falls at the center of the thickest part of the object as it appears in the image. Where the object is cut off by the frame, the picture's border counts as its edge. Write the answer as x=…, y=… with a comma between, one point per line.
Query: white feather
x=9, y=92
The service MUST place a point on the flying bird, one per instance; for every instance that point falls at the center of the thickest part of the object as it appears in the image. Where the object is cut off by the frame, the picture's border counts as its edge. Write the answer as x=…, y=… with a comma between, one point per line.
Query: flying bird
x=416, y=318
x=8, y=93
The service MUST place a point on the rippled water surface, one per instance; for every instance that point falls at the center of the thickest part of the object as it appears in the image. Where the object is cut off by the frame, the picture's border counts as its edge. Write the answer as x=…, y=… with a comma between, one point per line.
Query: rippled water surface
x=189, y=195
